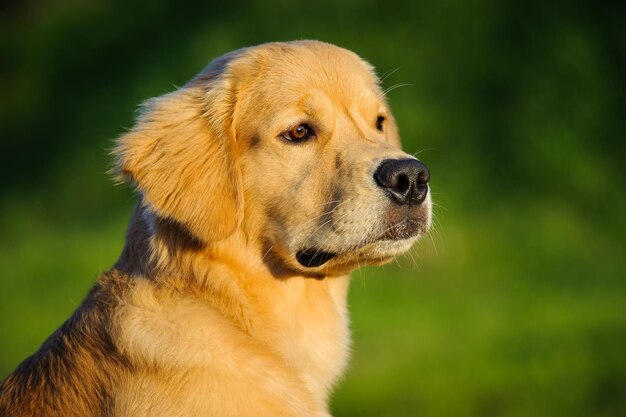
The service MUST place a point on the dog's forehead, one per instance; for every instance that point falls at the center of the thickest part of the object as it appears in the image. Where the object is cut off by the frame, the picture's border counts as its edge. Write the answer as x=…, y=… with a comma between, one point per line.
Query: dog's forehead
x=301, y=66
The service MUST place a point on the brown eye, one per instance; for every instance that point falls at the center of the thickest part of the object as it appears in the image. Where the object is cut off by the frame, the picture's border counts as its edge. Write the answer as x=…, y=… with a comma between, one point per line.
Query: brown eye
x=298, y=133
x=379, y=123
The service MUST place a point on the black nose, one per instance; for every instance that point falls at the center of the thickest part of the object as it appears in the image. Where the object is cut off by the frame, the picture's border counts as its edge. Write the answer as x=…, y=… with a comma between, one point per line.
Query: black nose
x=404, y=180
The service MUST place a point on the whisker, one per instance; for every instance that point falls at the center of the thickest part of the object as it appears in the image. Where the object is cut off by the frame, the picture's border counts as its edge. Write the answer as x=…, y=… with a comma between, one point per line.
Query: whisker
x=388, y=73
x=417, y=153
x=410, y=254
x=393, y=87
x=332, y=234
x=268, y=251
x=327, y=221
x=432, y=241
x=325, y=213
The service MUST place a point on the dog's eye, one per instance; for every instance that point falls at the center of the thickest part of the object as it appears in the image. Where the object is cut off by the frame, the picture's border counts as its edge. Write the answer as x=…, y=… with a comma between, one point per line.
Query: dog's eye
x=379, y=123
x=298, y=133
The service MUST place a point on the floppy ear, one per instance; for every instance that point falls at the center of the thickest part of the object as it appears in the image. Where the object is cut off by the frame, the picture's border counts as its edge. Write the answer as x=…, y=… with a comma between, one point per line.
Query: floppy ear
x=182, y=156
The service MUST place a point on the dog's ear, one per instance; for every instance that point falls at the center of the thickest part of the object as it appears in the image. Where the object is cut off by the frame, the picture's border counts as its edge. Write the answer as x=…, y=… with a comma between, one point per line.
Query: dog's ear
x=182, y=156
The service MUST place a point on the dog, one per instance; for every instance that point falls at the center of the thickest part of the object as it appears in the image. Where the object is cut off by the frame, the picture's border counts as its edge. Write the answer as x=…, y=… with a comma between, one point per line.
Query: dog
x=262, y=183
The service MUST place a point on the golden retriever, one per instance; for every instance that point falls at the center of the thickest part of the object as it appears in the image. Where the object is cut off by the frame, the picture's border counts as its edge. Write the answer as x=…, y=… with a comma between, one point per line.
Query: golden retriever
x=262, y=184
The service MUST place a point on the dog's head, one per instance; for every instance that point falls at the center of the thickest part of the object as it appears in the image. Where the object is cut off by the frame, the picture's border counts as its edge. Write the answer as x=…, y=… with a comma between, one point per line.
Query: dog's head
x=290, y=144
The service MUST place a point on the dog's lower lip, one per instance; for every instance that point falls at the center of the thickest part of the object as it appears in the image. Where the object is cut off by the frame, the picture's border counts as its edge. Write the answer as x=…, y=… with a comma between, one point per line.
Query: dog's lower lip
x=312, y=258
x=402, y=230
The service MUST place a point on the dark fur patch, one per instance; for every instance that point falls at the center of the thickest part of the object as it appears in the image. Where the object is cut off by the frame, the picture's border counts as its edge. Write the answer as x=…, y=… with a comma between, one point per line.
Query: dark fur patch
x=75, y=367
x=179, y=235
x=279, y=268
x=255, y=141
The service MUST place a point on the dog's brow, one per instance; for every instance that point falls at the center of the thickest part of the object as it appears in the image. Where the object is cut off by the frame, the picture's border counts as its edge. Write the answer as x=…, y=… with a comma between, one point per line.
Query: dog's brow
x=359, y=126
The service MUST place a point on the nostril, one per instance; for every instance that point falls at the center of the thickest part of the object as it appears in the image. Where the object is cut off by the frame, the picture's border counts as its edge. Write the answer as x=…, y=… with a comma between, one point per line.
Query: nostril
x=421, y=191
x=403, y=183
x=424, y=176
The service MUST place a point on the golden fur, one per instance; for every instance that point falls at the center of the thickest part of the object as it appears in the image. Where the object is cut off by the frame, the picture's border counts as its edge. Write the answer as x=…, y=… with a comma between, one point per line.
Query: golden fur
x=208, y=311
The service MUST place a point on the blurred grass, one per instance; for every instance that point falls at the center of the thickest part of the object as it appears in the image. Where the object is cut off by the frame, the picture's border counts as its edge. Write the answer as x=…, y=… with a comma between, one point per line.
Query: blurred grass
x=516, y=307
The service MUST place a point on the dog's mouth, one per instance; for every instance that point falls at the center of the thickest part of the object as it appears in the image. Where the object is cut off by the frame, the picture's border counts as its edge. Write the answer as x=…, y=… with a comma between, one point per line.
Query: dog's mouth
x=312, y=258
x=394, y=240
x=370, y=252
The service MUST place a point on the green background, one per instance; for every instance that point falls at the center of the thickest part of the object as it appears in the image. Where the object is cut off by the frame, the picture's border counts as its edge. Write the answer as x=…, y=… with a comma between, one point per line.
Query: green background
x=516, y=303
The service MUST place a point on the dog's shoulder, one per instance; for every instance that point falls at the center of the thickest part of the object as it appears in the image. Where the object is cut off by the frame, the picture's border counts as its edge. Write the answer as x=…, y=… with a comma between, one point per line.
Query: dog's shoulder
x=72, y=369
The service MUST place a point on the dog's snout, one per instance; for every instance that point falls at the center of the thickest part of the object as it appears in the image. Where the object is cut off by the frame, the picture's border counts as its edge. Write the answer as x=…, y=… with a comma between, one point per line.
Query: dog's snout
x=404, y=180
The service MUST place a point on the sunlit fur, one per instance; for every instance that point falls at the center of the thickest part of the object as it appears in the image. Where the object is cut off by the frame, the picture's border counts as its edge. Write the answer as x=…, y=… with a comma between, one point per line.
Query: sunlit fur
x=208, y=312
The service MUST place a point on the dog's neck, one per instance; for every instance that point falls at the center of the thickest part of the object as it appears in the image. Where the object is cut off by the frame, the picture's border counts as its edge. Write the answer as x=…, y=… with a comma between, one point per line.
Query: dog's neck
x=232, y=279
x=159, y=249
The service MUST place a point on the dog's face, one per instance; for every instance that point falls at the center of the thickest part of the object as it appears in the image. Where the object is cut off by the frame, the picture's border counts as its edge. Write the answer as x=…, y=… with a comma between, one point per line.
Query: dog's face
x=303, y=157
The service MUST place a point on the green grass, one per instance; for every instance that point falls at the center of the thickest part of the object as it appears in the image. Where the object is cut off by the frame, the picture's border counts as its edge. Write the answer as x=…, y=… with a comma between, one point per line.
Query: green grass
x=430, y=348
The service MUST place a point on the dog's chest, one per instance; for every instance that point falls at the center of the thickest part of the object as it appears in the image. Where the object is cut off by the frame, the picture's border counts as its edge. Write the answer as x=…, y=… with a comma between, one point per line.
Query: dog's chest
x=309, y=327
